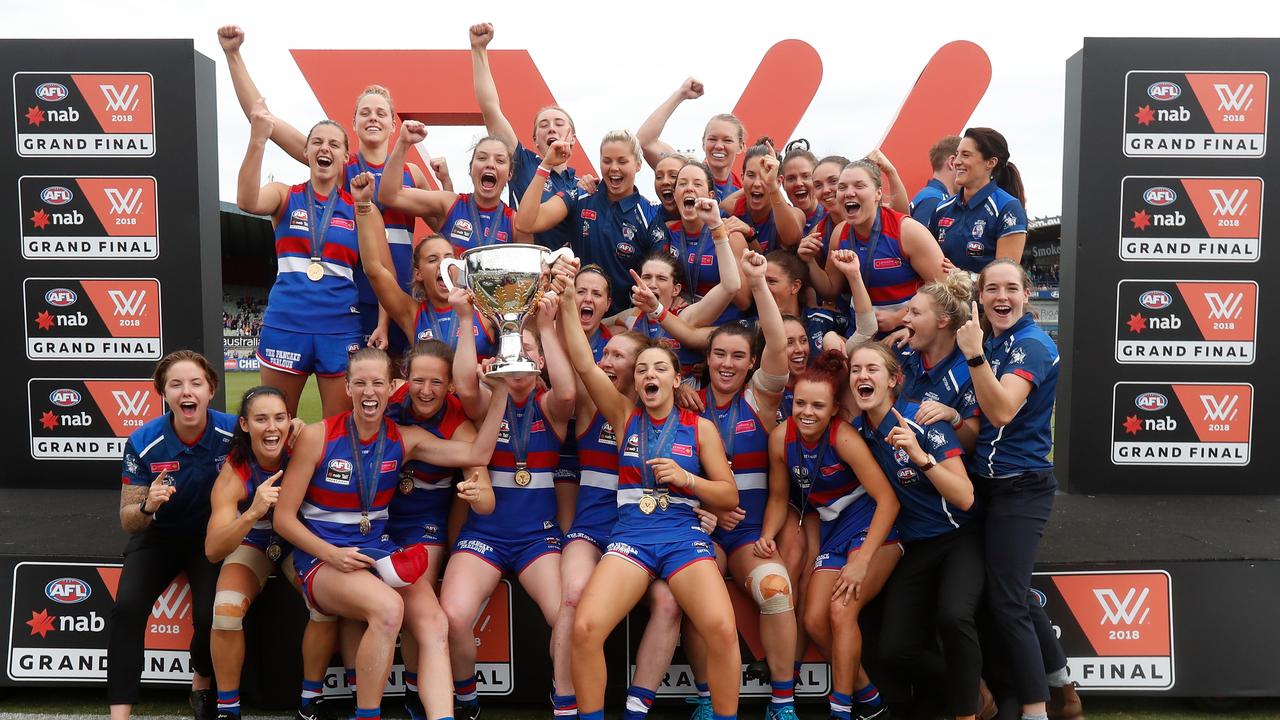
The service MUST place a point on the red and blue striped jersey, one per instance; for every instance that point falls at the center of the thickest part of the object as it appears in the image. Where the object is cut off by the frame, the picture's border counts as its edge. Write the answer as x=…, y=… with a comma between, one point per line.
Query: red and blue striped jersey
x=332, y=509
x=889, y=277
x=766, y=232
x=441, y=324
x=399, y=228
x=678, y=522
x=330, y=304
x=529, y=510
x=252, y=475
x=467, y=225
x=598, y=475
x=432, y=485
x=746, y=443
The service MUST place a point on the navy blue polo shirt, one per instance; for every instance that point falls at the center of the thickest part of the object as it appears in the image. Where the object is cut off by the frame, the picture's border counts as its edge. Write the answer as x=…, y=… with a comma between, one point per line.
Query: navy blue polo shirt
x=524, y=165
x=617, y=236
x=925, y=201
x=1024, y=444
x=925, y=513
x=818, y=322
x=947, y=382
x=968, y=230
x=155, y=448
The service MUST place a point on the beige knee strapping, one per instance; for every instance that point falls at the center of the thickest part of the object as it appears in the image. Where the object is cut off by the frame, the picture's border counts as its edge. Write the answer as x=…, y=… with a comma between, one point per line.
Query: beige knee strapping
x=770, y=587
x=229, y=607
x=254, y=559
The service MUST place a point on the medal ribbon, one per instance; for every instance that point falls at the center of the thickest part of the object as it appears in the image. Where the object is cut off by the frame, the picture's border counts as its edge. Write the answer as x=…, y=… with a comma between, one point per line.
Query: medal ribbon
x=520, y=430
x=317, y=240
x=666, y=438
x=695, y=272
x=433, y=319
x=367, y=480
x=473, y=207
x=727, y=430
x=811, y=462
x=873, y=240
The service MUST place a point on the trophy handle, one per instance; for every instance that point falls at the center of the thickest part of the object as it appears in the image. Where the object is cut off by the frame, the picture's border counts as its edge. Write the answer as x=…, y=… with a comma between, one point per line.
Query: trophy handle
x=564, y=252
x=448, y=264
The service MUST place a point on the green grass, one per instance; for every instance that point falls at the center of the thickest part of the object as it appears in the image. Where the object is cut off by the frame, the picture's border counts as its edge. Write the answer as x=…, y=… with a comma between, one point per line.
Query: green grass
x=308, y=404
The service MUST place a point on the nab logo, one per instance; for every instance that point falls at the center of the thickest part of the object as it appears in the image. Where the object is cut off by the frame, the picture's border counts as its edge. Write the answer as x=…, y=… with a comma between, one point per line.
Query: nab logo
x=1164, y=91
x=131, y=404
x=1220, y=408
x=1155, y=299
x=52, y=92
x=1131, y=610
x=1233, y=204
x=120, y=98
x=129, y=305
x=60, y=297
x=1160, y=196
x=1151, y=402
x=68, y=591
x=55, y=195
x=1234, y=99
x=128, y=202
x=64, y=397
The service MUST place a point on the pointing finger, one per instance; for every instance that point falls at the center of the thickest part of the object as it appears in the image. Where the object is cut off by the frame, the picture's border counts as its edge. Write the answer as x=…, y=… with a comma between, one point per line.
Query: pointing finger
x=271, y=481
x=973, y=314
x=902, y=422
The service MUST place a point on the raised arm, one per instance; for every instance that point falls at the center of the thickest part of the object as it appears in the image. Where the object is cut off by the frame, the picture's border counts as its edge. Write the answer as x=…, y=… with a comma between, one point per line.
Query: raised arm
x=534, y=215
x=486, y=89
x=227, y=525
x=425, y=447
x=896, y=194
x=559, y=401
x=284, y=135
x=432, y=205
x=773, y=358
x=809, y=250
x=789, y=221
x=466, y=366
x=650, y=131
x=999, y=398
x=250, y=196
x=847, y=264
x=615, y=406
x=375, y=256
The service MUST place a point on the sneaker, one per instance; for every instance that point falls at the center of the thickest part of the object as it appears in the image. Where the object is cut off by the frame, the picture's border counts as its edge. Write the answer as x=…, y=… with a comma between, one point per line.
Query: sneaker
x=758, y=670
x=318, y=709
x=702, y=707
x=204, y=704
x=413, y=706
x=880, y=713
x=466, y=711
x=780, y=712
x=228, y=715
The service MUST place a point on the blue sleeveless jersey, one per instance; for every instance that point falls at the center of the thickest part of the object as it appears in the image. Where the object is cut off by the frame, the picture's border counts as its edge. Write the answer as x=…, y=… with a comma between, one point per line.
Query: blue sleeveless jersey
x=731, y=185
x=399, y=228
x=331, y=509
x=678, y=522
x=701, y=266
x=766, y=231
x=467, y=225
x=654, y=331
x=597, y=505
x=813, y=219
x=442, y=324
x=432, y=491
x=528, y=512
x=823, y=483
x=746, y=443
x=328, y=306
x=252, y=475
x=889, y=277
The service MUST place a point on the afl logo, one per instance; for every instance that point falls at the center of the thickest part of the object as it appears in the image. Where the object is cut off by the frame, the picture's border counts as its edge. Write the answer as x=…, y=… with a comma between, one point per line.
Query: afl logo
x=1151, y=401
x=64, y=397
x=52, y=92
x=68, y=591
x=1155, y=299
x=55, y=195
x=60, y=297
x=340, y=465
x=1164, y=91
x=1160, y=196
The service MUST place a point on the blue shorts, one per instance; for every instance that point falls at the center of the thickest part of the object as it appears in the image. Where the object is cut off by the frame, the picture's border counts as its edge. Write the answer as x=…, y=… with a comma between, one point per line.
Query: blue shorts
x=305, y=353
x=307, y=565
x=598, y=536
x=428, y=530
x=742, y=535
x=663, y=559
x=506, y=555
x=834, y=556
x=397, y=343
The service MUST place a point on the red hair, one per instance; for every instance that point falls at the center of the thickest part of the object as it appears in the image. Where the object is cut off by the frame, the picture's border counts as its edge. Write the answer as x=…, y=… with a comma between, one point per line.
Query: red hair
x=831, y=368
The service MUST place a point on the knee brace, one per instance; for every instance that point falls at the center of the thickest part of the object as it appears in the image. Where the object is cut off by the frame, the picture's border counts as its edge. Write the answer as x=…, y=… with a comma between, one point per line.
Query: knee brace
x=317, y=616
x=229, y=607
x=770, y=587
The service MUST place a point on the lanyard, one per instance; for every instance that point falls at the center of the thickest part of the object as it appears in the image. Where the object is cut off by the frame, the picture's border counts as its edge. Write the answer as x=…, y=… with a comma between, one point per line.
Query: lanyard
x=872, y=241
x=727, y=430
x=433, y=320
x=666, y=437
x=366, y=479
x=520, y=432
x=473, y=207
x=317, y=239
x=809, y=463
x=695, y=271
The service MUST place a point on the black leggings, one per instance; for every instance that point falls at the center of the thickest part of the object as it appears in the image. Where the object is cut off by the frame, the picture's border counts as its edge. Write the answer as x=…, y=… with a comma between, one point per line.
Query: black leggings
x=934, y=591
x=152, y=559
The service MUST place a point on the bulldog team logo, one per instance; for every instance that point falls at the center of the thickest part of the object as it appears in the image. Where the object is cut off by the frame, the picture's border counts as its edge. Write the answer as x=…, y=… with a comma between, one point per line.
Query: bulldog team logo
x=1191, y=219
x=1182, y=424
x=1195, y=114
x=88, y=218
x=92, y=319
x=1198, y=322
x=87, y=419
x=84, y=114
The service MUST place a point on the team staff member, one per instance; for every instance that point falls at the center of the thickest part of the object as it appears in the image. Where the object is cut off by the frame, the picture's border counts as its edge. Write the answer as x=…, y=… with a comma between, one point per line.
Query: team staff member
x=170, y=465
x=374, y=121
x=333, y=508
x=723, y=139
x=1015, y=377
x=550, y=125
x=986, y=218
x=943, y=183
x=312, y=321
x=611, y=226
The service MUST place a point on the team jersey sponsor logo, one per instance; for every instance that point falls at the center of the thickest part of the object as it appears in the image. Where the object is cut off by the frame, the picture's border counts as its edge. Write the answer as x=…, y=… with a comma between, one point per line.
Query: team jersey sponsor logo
x=979, y=227
x=632, y=448
x=607, y=435
x=936, y=438
x=120, y=321
x=1195, y=114
x=84, y=114
x=298, y=220
x=946, y=222
x=88, y=419
x=389, y=466
x=338, y=471
x=461, y=230
x=886, y=263
x=975, y=247
x=1116, y=627
x=1181, y=424
x=588, y=214
x=682, y=450
x=1200, y=322
x=168, y=466
x=343, y=223
x=1197, y=219
x=907, y=475
x=745, y=426
x=88, y=218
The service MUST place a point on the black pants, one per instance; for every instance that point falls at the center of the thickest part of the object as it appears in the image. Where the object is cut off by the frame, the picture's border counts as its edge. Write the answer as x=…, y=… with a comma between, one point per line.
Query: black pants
x=152, y=559
x=934, y=593
x=1017, y=509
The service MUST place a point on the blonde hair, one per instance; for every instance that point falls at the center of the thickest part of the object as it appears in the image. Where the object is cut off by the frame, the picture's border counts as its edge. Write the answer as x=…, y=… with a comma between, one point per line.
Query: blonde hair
x=381, y=92
x=951, y=297
x=732, y=120
x=888, y=357
x=626, y=138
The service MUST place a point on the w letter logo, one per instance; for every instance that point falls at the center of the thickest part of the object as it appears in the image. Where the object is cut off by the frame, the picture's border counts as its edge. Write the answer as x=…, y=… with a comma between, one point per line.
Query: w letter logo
x=1225, y=308
x=1217, y=409
x=1233, y=204
x=1123, y=612
x=131, y=404
x=123, y=99
x=131, y=304
x=1234, y=100
x=128, y=202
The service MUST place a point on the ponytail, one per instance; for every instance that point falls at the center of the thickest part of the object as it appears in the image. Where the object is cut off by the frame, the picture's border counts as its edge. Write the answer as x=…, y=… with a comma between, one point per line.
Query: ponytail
x=1005, y=174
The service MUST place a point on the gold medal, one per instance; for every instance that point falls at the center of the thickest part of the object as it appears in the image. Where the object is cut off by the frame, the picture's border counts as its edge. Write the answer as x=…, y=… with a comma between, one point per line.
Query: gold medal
x=664, y=502
x=406, y=484
x=523, y=477
x=274, y=552
x=365, y=525
x=648, y=504
x=315, y=271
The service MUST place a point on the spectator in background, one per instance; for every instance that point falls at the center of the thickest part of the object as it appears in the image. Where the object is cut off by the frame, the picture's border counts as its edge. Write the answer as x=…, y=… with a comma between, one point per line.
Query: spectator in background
x=943, y=183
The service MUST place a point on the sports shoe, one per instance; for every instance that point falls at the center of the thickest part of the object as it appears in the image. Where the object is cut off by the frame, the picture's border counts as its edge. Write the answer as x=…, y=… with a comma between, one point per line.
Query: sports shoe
x=413, y=706
x=318, y=709
x=1064, y=703
x=780, y=712
x=227, y=715
x=466, y=711
x=204, y=704
x=702, y=707
x=880, y=713
x=758, y=670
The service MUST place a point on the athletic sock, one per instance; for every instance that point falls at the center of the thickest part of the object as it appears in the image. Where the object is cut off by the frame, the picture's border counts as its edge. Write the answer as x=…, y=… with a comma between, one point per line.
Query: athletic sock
x=639, y=701
x=229, y=702
x=311, y=691
x=868, y=697
x=411, y=682
x=1058, y=678
x=369, y=713
x=796, y=677
x=464, y=691
x=704, y=690
x=565, y=706
x=724, y=717
x=350, y=675
x=841, y=705
x=593, y=715
x=782, y=693
x=1036, y=716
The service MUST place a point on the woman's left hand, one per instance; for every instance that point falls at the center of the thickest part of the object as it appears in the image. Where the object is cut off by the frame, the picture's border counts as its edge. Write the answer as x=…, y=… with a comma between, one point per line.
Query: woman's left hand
x=362, y=187
x=849, y=583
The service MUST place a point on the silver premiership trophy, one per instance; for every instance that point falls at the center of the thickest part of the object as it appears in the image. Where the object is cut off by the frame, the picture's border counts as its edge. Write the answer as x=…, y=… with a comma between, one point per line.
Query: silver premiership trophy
x=505, y=281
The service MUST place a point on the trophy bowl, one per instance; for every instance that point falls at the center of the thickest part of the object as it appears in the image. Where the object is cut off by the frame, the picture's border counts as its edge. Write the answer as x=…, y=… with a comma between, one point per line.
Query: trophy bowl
x=506, y=281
